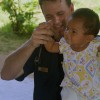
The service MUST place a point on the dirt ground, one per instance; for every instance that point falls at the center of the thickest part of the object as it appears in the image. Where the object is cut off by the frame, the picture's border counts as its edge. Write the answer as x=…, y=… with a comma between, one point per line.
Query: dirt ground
x=14, y=89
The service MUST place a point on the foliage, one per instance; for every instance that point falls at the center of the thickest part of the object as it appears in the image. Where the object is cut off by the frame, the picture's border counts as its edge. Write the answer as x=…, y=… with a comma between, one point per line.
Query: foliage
x=21, y=15
x=9, y=41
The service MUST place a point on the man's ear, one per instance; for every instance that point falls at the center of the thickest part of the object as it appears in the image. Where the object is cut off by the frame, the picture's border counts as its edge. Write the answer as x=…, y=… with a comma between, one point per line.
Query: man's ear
x=72, y=7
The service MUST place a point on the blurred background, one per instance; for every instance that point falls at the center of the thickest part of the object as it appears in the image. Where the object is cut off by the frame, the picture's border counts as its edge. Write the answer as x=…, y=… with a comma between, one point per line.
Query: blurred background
x=18, y=18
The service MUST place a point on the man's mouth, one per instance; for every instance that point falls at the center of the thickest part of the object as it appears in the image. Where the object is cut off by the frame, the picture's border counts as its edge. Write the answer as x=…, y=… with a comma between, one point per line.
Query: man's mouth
x=58, y=33
x=59, y=29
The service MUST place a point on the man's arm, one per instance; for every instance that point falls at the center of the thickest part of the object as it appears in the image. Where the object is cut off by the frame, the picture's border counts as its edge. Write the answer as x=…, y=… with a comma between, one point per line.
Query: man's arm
x=14, y=63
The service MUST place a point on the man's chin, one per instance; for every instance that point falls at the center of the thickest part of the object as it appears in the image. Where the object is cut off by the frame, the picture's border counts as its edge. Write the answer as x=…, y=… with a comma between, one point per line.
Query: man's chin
x=58, y=33
x=57, y=37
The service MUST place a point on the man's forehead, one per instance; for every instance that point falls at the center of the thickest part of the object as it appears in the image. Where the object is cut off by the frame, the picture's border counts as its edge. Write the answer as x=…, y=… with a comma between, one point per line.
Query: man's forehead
x=46, y=2
x=53, y=6
x=43, y=1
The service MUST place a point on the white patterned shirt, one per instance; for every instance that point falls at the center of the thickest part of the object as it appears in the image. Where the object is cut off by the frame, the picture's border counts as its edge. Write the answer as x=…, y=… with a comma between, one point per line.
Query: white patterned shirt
x=81, y=69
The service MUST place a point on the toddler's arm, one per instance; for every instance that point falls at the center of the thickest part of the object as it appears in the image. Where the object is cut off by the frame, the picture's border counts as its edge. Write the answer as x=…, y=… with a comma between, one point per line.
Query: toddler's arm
x=99, y=49
x=52, y=46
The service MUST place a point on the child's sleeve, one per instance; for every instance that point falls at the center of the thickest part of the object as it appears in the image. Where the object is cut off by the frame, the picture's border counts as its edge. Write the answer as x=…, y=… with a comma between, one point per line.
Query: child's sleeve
x=96, y=42
x=62, y=45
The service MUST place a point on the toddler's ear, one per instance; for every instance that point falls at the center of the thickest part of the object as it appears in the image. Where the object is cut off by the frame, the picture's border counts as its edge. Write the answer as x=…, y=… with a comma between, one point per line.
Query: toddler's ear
x=90, y=38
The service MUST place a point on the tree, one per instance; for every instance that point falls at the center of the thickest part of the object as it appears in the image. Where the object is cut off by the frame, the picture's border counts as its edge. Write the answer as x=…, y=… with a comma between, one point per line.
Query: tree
x=21, y=15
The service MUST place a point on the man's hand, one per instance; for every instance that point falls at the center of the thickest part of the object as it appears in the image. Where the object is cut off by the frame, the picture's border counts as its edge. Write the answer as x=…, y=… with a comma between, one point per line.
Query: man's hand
x=42, y=34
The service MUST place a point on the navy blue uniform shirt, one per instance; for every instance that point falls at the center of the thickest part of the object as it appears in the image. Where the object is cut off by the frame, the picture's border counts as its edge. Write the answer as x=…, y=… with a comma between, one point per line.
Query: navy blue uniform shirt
x=48, y=74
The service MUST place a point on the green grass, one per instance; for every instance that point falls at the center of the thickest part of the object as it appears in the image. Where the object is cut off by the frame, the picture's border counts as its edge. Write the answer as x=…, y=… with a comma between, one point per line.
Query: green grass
x=10, y=41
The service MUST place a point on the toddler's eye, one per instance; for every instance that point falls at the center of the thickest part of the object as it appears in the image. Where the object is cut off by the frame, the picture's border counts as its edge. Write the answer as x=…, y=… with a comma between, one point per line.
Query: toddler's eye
x=73, y=31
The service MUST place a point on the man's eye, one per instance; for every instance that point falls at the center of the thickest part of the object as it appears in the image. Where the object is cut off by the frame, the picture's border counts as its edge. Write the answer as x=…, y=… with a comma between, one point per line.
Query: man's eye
x=61, y=13
x=48, y=17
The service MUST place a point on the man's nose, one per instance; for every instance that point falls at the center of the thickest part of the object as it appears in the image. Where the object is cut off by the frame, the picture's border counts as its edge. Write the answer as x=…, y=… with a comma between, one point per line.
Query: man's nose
x=56, y=20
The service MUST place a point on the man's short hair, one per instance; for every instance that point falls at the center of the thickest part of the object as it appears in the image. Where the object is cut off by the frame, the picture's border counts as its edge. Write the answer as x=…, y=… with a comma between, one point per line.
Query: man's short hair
x=68, y=2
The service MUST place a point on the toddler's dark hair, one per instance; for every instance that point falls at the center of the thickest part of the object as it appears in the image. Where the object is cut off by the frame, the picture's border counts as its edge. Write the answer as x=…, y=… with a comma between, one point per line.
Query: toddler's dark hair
x=90, y=19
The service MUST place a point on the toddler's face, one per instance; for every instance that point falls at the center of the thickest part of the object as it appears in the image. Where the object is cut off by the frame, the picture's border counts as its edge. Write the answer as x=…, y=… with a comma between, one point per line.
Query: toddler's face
x=74, y=33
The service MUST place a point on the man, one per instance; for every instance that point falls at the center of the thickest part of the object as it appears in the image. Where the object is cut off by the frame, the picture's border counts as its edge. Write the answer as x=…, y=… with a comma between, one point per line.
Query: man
x=32, y=56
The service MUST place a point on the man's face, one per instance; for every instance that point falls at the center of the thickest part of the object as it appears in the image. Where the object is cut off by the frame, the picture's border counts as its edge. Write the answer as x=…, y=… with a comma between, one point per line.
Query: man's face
x=57, y=11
